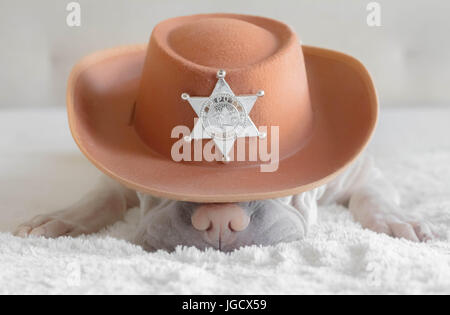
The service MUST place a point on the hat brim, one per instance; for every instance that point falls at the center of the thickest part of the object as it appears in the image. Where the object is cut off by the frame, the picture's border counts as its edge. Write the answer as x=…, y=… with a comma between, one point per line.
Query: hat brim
x=101, y=93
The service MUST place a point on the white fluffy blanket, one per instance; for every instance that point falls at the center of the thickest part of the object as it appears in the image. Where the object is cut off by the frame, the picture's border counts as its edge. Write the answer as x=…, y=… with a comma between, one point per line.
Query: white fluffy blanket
x=338, y=256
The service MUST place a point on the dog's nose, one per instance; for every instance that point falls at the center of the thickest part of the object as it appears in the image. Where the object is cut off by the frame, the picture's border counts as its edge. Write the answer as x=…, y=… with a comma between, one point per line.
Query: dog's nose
x=220, y=221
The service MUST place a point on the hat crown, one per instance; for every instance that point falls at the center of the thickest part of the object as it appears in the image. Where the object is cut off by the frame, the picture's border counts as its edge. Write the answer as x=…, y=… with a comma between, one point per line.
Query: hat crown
x=184, y=55
x=223, y=42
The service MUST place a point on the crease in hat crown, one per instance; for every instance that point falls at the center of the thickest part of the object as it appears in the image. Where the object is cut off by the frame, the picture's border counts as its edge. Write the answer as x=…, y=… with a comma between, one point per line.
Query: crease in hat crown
x=183, y=56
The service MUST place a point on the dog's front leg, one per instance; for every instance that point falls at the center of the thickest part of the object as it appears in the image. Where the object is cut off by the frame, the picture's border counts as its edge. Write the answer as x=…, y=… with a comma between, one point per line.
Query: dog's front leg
x=375, y=204
x=101, y=207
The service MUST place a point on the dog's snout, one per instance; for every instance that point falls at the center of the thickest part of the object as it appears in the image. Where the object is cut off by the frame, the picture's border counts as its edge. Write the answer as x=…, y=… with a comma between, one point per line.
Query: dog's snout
x=220, y=221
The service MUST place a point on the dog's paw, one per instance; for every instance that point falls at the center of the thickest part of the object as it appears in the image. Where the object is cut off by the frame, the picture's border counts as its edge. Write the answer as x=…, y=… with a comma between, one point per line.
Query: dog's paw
x=396, y=225
x=49, y=226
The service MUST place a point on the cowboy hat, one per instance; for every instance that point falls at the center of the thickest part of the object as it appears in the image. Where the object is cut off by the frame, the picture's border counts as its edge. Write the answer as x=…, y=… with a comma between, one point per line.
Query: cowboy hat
x=123, y=104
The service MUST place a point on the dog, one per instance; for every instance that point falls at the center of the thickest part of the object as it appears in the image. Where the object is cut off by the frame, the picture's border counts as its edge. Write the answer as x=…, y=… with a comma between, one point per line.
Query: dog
x=123, y=103
x=370, y=197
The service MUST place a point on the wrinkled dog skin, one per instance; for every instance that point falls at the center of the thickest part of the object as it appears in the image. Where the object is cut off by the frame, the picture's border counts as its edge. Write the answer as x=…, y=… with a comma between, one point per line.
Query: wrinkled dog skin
x=271, y=222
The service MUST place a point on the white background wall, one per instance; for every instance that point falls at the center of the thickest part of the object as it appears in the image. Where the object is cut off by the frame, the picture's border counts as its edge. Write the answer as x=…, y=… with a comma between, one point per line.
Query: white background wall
x=408, y=55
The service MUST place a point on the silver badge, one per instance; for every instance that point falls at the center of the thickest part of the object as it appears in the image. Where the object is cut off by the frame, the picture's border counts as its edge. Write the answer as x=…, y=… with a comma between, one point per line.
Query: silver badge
x=223, y=116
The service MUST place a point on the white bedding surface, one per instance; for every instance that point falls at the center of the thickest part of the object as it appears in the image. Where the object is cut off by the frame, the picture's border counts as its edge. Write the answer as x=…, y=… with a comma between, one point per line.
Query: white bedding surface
x=41, y=170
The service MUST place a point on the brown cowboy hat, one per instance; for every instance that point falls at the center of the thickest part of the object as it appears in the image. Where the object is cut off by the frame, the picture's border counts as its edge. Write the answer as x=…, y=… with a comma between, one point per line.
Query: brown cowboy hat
x=124, y=102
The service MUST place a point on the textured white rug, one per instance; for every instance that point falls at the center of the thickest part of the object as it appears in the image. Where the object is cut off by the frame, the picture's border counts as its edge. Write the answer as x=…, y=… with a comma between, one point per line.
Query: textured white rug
x=337, y=257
